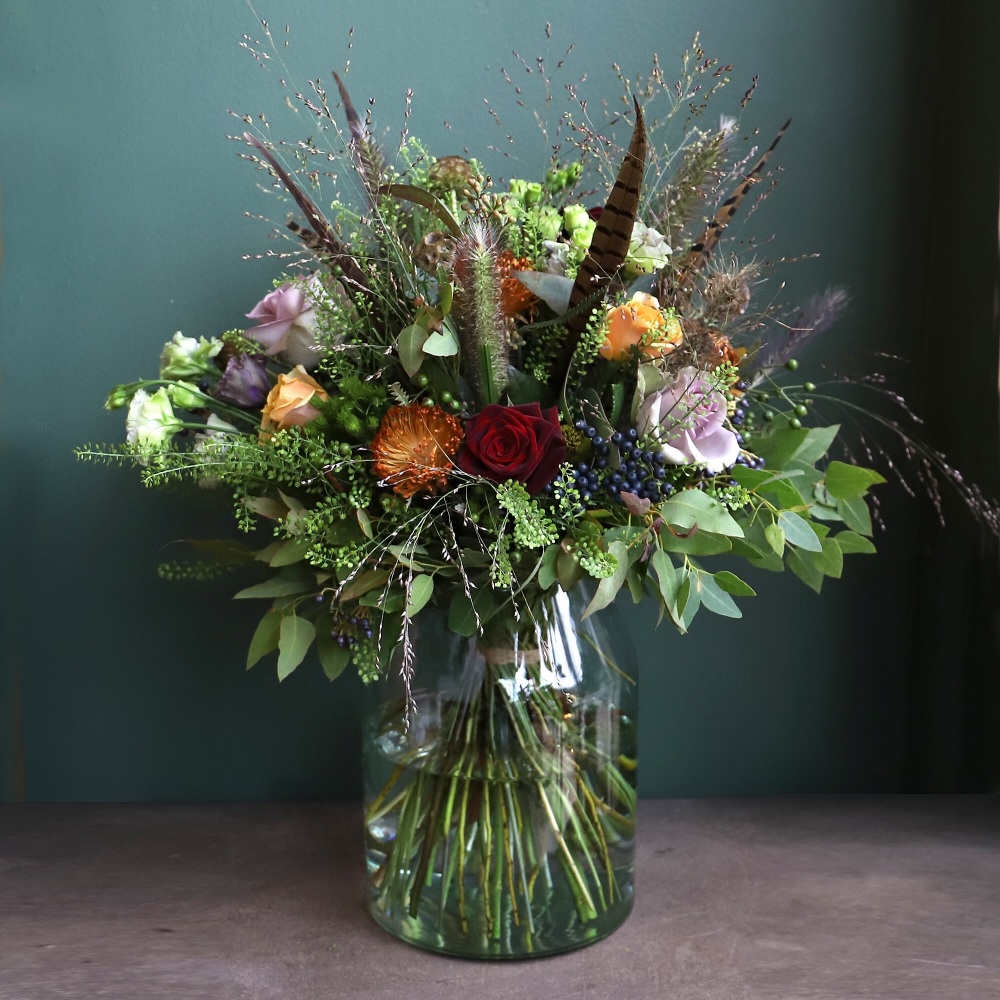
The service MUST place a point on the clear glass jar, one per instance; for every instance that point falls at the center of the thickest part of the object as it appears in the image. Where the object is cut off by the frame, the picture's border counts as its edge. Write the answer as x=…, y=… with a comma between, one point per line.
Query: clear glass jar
x=500, y=805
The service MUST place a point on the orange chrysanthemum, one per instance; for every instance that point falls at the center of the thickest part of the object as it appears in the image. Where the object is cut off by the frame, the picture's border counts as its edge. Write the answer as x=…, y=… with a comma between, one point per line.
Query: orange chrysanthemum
x=414, y=448
x=514, y=297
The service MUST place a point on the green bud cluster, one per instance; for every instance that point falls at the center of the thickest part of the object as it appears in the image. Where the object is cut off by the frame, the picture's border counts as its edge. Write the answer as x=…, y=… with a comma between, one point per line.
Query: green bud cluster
x=501, y=571
x=532, y=529
x=593, y=559
x=734, y=497
x=342, y=558
x=365, y=659
x=202, y=569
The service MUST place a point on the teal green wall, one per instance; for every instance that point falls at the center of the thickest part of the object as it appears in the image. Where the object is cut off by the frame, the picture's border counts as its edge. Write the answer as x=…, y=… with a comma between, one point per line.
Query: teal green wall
x=123, y=221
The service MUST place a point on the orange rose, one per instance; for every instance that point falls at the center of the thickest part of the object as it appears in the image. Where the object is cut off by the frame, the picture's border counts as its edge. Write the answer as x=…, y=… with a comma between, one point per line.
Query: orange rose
x=290, y=401
x=640, y=323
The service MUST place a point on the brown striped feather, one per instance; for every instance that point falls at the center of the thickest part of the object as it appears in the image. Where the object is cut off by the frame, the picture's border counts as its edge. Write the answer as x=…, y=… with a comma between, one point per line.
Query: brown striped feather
x=321, y=232
x=367, y=155
x=699, y=251
x=610, y=243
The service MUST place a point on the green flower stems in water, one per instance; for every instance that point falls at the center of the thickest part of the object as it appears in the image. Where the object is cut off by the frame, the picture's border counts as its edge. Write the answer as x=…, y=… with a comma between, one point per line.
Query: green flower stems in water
x=514, y=785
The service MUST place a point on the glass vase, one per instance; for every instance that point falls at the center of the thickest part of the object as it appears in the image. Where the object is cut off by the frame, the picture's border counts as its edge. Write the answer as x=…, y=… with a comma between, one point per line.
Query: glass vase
x=500, y=785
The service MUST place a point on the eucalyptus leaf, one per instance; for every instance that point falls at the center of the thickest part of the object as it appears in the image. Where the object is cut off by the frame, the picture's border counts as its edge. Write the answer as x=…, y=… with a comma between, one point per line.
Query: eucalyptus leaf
x=547, y=572
x=636, y=585
x=265, y=637
x=421, y=196
x=693, y=507
x=568, y=569
x=816, y=444
x=749, y=548
x=608, y=588
x=420, y=592
x=844, y=481
x=688, y=599
x=294, y=505
x=410, y=346
x=364, y=582
x=771, y=484
x=462, y=612
x=442, y=343
x=715, y=599
x=553, y=289
x=851, y=542
x=406, y=554
x=365, y=523
x=831, y=560
x=290, y=552
x=732, y=584
x=798, y=532
x=805, y=566
x=332, y=657
x=276, y=587
x=856, y=515
x=775, y=537
x=701, y=543
x=294, y=639
x=524, y=388
x=446, y=292
x=265, y=506
x=778, y=445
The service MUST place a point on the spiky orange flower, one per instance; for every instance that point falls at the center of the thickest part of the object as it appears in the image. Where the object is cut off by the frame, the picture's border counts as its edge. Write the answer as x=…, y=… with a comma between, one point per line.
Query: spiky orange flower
x=513, y=295
x=414, y=447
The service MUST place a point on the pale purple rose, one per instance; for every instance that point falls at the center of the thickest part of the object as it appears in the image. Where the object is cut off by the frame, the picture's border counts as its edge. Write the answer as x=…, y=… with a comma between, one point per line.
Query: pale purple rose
x=288, y=323
x=245, y=381
x=687, y=418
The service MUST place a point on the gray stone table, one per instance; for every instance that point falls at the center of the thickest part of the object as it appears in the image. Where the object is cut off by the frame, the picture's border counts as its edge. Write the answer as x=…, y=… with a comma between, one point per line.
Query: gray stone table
x=825, y=898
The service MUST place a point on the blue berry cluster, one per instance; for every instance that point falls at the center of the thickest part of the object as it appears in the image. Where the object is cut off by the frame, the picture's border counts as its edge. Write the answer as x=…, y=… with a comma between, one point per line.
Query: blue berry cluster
x=346, y=630
x=641, y=471
x=738, y=419
x=742, y=406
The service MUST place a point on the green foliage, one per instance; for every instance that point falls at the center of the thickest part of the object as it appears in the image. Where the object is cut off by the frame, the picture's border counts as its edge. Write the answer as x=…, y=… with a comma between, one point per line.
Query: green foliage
x=532, y=528
x=368, y=522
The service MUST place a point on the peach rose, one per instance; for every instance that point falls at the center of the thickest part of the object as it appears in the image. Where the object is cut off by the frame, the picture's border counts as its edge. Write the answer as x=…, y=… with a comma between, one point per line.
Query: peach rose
x=640, y=323
x=290, y=401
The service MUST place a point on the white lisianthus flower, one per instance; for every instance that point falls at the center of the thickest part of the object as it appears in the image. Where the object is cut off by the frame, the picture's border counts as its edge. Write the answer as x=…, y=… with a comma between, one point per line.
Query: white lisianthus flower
x=151, y=421
x=648, y=251
x=185, y=357
x=556, y=256
x=687, y=418
x=212, y=441
x=215, y=429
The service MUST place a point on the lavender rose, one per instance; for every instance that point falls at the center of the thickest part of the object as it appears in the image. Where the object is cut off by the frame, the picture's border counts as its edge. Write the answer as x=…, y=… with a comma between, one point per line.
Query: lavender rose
x=687, y=417
x=287, y=326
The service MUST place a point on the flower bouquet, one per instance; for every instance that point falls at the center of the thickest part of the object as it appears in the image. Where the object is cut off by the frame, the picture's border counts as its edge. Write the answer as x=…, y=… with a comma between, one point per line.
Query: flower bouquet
x=467, y=416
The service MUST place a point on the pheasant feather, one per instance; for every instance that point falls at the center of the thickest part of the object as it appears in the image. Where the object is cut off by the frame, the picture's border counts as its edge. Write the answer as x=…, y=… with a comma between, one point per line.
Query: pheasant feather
x=320, y=235
x=609, y=245
x=367, y=155
x=700, y=251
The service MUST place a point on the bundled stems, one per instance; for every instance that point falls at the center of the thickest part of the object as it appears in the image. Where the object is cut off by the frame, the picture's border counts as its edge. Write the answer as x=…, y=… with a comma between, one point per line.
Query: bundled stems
x=513, y=798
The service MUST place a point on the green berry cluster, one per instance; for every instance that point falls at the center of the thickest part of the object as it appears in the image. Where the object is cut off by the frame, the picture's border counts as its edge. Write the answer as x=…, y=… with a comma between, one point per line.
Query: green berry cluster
x=532, y=528
x=593, y=559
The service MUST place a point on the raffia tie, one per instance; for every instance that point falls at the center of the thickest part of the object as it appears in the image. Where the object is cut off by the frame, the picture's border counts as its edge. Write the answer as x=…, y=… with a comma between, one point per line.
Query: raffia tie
x=496, y=654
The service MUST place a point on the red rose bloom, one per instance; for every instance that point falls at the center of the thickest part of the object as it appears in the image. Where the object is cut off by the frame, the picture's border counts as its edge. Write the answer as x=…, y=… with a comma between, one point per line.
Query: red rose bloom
x=514, y=442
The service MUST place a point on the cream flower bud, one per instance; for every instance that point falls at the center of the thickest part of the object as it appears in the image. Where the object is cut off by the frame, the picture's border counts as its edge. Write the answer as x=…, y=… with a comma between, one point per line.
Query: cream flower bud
x=185, y=357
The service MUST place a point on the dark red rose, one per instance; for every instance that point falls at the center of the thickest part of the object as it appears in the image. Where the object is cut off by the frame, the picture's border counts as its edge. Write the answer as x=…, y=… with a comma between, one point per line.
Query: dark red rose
x=514, y=442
